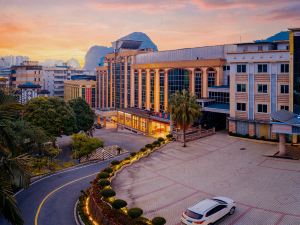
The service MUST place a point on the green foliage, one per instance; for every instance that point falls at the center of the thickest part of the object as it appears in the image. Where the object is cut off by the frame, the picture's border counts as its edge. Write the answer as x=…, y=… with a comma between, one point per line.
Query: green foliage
x=135, y=213
x=52, y=114
x=83, y=113
x=104, y=182
x=160, y=139
x=133, y=154
x=107, y=193
x=169, y=136
x=150, y=146
x=184, y=110
x=156, y=143
x=119, y=203
x=144, y=149
x=83, y=145
x=103, y=175
x=159, y=221
x=108, y=170
x=115, y=162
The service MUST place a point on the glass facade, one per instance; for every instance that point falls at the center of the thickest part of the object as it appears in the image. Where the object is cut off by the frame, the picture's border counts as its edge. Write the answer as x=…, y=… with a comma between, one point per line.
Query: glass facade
x=136, y=89
x=198, y=83
x=143, y=89
x=220, y=97
x=178, y=79
x=83, y=93
x=152, y=74
x=161, y=90
x=211, y=77
x=93, y=97
x=108, y=80
x=128, y=80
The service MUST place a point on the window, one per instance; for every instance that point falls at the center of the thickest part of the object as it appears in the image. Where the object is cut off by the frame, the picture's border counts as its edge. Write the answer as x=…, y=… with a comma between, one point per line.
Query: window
x=262, y=68
x=260, y=48
x=262, y=108
x=262, y=88
x=241, y=68
x=241, y=106
x=284, y=107
x=284, y=89
x=241, y=87
x=284, y=68
x=193, y=215
x=215, y=210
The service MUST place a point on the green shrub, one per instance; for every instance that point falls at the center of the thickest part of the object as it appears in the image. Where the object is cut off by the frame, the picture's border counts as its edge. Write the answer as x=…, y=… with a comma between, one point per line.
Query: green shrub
x=169, y=136
x=104, y=182
x=160, y=139
x=108, y=170
x=135, y=213
x=156, y=143
x=107, y=193
x=127, y=158
x=133, y=153
x=119, y=203
x=103, y=175
x=149, y=146
x=159, y=221
x=143, y=149
x=115, y=162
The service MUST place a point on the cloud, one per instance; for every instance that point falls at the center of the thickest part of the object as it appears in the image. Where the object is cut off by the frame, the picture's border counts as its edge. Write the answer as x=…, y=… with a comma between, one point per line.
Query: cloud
x=289, y=13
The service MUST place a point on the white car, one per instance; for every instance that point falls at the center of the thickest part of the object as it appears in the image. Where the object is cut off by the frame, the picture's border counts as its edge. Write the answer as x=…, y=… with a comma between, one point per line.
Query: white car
x=208, y=211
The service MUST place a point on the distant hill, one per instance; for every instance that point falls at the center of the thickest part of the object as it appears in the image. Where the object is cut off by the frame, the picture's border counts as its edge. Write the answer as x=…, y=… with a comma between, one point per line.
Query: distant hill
x=95, y=54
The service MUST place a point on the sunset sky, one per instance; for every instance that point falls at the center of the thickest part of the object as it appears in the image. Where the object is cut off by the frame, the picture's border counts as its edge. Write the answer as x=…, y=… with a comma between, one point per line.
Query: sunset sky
x=63, y=29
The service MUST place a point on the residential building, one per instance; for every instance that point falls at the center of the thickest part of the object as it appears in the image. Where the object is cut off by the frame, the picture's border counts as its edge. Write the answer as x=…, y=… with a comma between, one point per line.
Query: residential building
x=85, y=89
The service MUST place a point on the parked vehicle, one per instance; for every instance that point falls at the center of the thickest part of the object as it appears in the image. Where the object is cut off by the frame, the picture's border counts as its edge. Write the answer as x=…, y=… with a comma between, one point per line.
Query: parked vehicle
x=208, y=211
x=98, y=126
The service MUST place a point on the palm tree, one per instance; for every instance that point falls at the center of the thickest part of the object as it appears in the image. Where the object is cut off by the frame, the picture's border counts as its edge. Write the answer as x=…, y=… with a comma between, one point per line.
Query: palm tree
x=10, y=158
x=184, y=111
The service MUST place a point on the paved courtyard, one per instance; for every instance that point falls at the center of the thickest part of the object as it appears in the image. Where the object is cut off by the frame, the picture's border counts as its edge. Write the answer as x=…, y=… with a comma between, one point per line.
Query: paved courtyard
x=267, y=190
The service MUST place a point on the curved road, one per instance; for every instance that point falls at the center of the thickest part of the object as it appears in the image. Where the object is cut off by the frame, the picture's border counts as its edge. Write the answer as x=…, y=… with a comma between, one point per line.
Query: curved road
x=51, y=200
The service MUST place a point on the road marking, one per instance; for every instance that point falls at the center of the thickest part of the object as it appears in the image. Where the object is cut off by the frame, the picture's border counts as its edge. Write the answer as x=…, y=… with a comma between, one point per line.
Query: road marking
x=55, y=190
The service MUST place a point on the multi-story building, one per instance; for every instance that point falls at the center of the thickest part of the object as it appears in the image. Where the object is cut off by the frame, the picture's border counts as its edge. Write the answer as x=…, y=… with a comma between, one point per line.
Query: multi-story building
x=85, y=89
x=28, y=71
x=54, y=77
x=238, y=86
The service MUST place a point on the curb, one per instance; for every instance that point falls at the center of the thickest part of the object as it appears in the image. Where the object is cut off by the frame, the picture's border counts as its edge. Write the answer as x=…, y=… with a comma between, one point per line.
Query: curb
x=77, y=217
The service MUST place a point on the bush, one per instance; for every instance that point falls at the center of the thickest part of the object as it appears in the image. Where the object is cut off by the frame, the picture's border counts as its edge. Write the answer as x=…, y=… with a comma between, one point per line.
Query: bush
x=115, y=162
x=156, y=143
x=133, y=154
x=159, y=221
x=107, y=193
x=103, y=175
x=150, y=146
x=143, y=149
x=135, y=213
x=119, y=203
x=104, y=182
x=169, y=136
x=108, y=170
x=127, y=158
x=160, y=139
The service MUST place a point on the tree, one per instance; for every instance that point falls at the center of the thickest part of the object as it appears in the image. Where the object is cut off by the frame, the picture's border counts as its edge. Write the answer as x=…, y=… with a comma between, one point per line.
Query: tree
x=10, y=162
x=52, y=114
x=83, y=113
x=184, y=111
x=84, y=145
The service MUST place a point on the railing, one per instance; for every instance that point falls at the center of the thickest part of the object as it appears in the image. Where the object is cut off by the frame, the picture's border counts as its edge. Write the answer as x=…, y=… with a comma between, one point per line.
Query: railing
x=193, y=134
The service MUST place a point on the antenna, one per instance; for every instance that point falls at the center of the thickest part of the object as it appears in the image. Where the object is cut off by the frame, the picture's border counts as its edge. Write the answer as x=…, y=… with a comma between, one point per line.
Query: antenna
x=240, y=38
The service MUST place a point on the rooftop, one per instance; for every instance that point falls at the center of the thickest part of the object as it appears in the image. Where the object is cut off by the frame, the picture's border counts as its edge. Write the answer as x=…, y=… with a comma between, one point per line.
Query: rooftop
x=29, y=85
x=203, y=206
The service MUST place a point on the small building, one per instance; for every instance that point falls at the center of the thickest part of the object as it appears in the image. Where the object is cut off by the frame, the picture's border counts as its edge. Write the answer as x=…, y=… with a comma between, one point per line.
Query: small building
x=28, y=91
x=80, y=88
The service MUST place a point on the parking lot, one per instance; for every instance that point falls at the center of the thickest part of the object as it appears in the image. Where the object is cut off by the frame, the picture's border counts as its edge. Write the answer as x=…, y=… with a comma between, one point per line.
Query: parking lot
x=267, y=190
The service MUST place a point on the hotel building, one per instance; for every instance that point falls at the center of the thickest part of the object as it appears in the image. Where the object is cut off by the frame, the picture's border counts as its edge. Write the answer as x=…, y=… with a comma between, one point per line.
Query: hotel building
x=238, y=86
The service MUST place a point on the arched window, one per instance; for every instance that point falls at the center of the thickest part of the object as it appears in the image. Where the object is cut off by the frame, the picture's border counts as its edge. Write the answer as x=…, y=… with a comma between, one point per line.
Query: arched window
x=198, y=83
x=211, y=76
x=136, y=89
x=152, y=74
x=161, y=90
x=143, y=89
x=178, y=79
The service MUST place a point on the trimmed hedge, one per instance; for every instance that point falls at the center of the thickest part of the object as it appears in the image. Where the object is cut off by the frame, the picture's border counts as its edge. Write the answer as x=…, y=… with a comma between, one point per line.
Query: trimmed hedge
x=160, y=139
x=119, y=203
x=149, y=146
x=143, y=149
x=159, y=221
x=103, y=175
x=115, y=162
x=133, y=154
x=104, y=182
x=156, y=143
x=107, y=193
x=135, y=213
x=108, y=170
